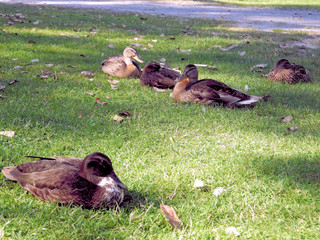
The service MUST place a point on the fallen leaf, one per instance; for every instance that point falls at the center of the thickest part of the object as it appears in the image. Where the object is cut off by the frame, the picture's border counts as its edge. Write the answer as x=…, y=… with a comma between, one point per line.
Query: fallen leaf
x=31, y=42
x=35, y=60
x=185, y=51
x=246, y=88
x=90, y=93
x=13, y=82
x=49, y=65
x=7, y=133
x=218, y=191
x=108, y=97
x=137, y=44
x=259, y=66
x=154, y=40
x=150, y=45
x=172, y=38
x=203, y=109
x=98, y=84
x=184, y=59
x=36, y=22
x=113, y=87
x=46, y=72
x=163, y=60
x=86, y=73
x=242, y=53
x=232, y=230
x=118, y=118
x=100, y=102
x=207, y=66
x=171, y=215
x=2, y=88
x=293, y=128
x=111, y=46
x=112, y=81
x=198, y=183
x=228, y=48
x=80, y=115
x=287, y=118
x=71, y=66
x=81, y=55
x=143, y=18
x=90, y=79
x=1, y=96
x=124, y=114
x=15, y=59
x=17, y=67
x=93, y=33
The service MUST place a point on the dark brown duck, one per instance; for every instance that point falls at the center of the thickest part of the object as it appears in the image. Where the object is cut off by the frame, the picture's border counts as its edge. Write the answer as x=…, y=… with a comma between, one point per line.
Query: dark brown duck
x=285, y=71
x=90, y=182
x=209, y=91
x=154, y=75
x=123, y=66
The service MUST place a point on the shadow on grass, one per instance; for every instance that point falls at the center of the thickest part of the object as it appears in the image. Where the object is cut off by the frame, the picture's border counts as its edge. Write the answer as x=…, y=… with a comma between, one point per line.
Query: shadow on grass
x=303, y=169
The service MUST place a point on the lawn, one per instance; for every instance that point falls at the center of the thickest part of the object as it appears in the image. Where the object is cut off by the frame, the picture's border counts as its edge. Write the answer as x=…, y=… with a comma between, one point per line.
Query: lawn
x=270, y=173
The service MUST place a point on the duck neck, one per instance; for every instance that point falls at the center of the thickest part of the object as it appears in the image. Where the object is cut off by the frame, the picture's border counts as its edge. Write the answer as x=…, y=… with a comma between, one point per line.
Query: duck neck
x=180, y=87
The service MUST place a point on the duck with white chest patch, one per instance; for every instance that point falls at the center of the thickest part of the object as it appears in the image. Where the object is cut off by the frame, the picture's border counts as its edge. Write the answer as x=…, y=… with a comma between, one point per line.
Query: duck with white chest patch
x=90, y=182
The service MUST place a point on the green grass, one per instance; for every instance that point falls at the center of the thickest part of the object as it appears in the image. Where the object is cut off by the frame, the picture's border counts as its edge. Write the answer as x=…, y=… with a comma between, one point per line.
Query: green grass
x=308, y=4
x=272, y=173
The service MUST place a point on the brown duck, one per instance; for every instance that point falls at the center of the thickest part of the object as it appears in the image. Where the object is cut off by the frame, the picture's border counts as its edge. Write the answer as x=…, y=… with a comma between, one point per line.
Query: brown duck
x=123, y=66
x=209, y=91
x=154, y=75
x=90, y=182
x=285, y=71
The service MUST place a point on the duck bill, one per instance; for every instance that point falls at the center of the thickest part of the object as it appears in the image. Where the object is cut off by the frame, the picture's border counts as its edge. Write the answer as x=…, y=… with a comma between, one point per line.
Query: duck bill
x=183, y=77
x=137, y=58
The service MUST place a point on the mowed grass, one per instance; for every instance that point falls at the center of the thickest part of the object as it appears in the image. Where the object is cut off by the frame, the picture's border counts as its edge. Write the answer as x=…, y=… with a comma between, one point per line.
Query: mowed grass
x=271, y=174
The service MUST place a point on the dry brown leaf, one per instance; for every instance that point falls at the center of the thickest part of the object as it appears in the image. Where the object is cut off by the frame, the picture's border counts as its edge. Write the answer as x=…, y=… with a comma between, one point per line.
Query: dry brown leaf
x=259, y=66
x=112, y=81
x=150, y=45
x=138, y=44
x=86, y=73
x=113, y=87
x=228, y=48
x=71, y=66
x=242, y=53
x=7, y=133
x=124, y=114
x=80, y=115
x=100, y=102
x=2, y=88
x=118, y=118
x=287, y=118
x=171, y=215
x=108, y=97
x=18, y=67
x=90, y=93
x=293, y=128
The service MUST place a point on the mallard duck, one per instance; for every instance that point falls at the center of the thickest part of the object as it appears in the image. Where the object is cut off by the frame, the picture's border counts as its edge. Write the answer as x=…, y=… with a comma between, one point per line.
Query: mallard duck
x=209, y=91
x=285, y=71
x=123, y=66
x=154, y=75
x=90, y=182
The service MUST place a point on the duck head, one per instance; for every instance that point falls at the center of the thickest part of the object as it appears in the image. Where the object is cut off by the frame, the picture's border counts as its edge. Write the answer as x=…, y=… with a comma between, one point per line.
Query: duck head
x=190, y=73
x=96, y=168
x=152, y=67
x=132, y=53
x=282, y=64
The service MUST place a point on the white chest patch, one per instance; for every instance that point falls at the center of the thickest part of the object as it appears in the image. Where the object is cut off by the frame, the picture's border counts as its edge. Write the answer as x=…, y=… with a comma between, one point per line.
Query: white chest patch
x=106, y=182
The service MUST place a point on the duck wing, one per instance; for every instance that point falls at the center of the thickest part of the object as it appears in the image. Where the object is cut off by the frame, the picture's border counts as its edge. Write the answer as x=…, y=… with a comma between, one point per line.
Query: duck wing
x=113, y=64
x=169, y=73
x=71, y=160
x=156, y=79
x=217, y=91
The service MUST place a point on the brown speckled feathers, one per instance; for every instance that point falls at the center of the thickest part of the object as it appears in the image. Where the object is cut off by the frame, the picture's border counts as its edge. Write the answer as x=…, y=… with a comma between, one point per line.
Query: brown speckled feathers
x=154, y=75
x=209, y=91
x=285, y=71
x=90, y=182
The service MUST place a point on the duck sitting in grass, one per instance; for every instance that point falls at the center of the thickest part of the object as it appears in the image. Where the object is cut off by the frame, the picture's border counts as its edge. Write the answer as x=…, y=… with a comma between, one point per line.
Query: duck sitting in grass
x=90, y=182
x=123, y=66
x=209, y=91
x=285, y=71
x=154, y=75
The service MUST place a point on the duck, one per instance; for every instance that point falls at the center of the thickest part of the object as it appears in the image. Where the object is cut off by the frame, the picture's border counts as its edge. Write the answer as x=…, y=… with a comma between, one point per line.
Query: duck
x=209, y=91
x=288, y=72
x=154, y=75
x=123, y=66
x=90, y=182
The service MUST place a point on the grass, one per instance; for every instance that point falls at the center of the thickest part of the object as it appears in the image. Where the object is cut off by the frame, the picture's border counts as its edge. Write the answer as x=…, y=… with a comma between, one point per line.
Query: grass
x=272, y=173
